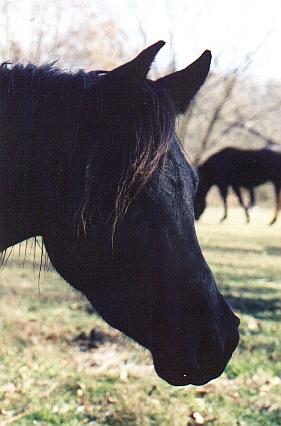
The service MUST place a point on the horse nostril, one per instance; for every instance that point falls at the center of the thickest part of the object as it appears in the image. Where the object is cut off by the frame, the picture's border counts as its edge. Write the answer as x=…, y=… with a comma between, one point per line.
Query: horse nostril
x=210, y=353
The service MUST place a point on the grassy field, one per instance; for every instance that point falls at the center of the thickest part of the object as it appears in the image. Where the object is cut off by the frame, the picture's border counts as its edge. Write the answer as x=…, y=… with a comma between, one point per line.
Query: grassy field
x=62, y=365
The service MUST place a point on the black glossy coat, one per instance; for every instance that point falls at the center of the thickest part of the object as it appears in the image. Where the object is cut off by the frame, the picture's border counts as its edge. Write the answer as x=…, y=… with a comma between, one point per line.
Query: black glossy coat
x=91, y=163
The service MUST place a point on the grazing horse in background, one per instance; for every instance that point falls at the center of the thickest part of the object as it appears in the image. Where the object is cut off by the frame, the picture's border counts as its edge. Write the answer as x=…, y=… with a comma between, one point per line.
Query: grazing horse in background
x=239, y=168
x=223, y=191
x=91, y=162
x=237, y=191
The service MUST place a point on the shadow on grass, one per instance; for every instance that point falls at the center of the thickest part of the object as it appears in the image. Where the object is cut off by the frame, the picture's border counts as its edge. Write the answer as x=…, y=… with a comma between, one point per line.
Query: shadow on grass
x=249, y=345
x=248, y=281
x=265, y=416
x=94, y=339
x=239, y=250
x=260, y=290
x=257, y=307
x=272, y=250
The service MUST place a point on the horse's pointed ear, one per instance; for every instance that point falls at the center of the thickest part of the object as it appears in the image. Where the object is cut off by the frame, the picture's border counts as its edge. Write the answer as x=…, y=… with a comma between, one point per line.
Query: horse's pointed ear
x=134, y=72
x=183, y=85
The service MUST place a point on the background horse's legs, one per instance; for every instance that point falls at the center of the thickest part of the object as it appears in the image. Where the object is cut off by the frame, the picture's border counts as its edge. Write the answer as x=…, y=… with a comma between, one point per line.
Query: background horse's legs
x=252, y=198
x=223, y=192
x=277, y=200
x=237, y=191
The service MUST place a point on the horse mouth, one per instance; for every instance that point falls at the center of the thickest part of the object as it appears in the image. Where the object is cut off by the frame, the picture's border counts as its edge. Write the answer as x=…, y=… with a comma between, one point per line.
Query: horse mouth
x=182, y=371
x=174, y=379
x=192, y=376
x=189, y=376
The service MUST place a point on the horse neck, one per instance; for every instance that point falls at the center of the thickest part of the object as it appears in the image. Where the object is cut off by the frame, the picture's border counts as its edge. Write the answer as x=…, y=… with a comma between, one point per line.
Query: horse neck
x=19, y=209
x=38, y=123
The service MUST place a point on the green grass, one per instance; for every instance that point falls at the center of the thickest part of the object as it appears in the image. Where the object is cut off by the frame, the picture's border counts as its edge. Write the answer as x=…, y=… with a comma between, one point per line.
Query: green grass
x=48, y=377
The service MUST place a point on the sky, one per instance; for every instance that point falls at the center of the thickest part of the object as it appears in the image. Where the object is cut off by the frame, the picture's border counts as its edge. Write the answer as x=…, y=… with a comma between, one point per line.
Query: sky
x=230, y=29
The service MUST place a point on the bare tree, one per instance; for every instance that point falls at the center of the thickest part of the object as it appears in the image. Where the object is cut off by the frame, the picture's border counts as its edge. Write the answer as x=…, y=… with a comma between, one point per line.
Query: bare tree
x=230, y=110
x=68, y=31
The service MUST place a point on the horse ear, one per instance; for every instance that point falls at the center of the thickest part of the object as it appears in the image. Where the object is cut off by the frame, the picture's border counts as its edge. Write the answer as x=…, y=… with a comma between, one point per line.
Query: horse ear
x=183, y=85
x=134, y=72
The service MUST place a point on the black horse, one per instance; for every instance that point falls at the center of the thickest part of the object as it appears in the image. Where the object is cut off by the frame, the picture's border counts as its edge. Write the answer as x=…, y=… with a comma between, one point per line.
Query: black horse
x=91, y=162
x=239, y=169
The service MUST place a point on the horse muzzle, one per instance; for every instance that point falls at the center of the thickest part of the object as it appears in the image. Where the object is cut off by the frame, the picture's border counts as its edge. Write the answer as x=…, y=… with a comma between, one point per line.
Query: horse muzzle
x=198, y=363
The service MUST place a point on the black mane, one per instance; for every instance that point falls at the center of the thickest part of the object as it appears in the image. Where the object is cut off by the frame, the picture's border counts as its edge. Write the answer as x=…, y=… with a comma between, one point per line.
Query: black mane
x=36, y=77
x=133, y=151
x=49, y=97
